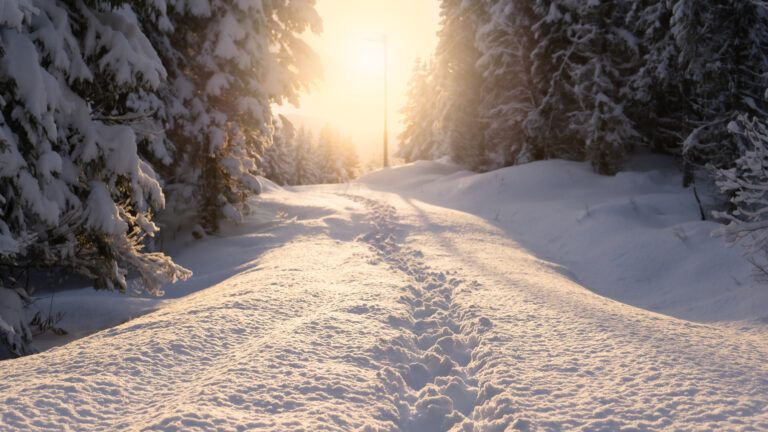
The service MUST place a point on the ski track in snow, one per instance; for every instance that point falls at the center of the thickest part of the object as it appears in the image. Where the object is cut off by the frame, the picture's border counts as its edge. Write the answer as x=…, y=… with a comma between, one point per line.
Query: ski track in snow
x=432, y=320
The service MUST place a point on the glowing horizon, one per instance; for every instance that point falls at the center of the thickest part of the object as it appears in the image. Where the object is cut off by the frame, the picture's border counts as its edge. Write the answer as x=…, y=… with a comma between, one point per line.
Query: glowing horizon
x=351, y=95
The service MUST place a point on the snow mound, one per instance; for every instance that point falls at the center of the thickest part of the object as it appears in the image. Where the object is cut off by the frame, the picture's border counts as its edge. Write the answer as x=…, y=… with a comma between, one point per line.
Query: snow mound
x=412, y=175
x=268, y=185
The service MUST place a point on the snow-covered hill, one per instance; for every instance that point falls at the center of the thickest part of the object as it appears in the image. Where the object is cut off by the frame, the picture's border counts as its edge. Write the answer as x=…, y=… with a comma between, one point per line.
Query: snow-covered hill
x=347, y=308
x=636, y=237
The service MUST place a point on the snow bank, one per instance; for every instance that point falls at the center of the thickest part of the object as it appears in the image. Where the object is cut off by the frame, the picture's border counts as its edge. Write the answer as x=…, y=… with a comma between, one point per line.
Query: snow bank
x=636, y=237
x=213, y=259
x=413, y=174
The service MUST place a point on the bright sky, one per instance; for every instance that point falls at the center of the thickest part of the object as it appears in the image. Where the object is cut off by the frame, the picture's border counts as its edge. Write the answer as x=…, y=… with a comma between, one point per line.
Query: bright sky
x=351, y=96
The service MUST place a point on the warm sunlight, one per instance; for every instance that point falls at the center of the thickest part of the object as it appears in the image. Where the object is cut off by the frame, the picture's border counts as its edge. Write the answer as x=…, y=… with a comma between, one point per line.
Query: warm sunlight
x=564, y=227
x=366, y=57
x=351, y=95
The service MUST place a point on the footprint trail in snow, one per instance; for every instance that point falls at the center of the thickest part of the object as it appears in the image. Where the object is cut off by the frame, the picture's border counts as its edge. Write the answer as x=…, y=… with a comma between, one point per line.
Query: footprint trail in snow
x=432, y=380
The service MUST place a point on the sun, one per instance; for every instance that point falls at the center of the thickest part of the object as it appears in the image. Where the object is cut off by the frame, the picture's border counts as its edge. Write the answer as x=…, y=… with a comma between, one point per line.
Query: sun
x=366, y=57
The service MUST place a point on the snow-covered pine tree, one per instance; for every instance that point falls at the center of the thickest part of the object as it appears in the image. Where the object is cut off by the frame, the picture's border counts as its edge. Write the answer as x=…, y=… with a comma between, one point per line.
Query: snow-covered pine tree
x=278, y=160
x=229, y=61
x=74, y=193
x=747, y=185
x=604, y=54
x=330, y=156
x=305, y=160
x=656, y=103
x=350, y=160
x=417, y=140
x=506, y=42
x=459, y=80
x=722, y=46
x=549, y=125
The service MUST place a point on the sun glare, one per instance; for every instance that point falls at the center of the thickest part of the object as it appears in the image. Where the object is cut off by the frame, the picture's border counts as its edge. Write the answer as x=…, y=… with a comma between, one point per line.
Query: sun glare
x=366, y=57
x=351, y=95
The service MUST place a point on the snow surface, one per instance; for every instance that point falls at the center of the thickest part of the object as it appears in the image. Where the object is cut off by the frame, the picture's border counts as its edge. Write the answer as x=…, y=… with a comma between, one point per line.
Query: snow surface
x=346, y=308
x=636, y=237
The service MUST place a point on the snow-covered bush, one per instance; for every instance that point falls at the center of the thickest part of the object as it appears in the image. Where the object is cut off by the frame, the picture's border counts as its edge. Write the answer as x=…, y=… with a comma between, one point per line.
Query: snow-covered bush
x=747, y=185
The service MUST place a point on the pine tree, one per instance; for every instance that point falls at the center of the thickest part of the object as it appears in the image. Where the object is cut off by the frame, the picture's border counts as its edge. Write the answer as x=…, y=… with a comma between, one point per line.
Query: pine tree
x=417, y=140
x=721, y=46
x=229, y=62
x=278, y=161
x=330, y=162
x=604, y=52
x=656, y=103
x=506, y=43
x=74, y=192
x=305, y=166
x=350, y=161
x=460, y=131
x=548, y=125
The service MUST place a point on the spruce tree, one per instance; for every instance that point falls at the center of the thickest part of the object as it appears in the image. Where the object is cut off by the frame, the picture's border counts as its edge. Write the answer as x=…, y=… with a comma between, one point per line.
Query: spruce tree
x=278, y=160
x=548, y=125
x=74, y=192
x=506, y=43
x=305, y=160
x=459, y=81
x=417, y=140
x=721, y=46
x=604, y=54
x=656, y=103
x=229, y=61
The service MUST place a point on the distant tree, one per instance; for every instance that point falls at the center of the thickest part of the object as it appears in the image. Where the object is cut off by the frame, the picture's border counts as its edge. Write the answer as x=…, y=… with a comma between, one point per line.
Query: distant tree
x=350, y=160
x=458, y=127
x=336, y=157
x=417, y=140
x=305, y=160
x=278, y=163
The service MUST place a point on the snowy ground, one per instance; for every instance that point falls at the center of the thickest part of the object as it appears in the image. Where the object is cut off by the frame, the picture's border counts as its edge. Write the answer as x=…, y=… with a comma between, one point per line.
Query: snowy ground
x=356, y=308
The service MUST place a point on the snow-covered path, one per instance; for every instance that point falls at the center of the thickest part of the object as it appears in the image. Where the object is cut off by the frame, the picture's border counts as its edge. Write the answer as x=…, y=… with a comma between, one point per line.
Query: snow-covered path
x=380, y=312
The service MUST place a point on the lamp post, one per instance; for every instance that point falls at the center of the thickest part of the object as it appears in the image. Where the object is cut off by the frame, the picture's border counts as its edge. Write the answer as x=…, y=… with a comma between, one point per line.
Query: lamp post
x=383, y=41
x=386, y=101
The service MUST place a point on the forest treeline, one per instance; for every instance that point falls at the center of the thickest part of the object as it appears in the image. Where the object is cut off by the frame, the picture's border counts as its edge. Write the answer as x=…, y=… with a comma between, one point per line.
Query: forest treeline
x=121, y=118
x=514, y=81
x=517, y=81
x=297, y=158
